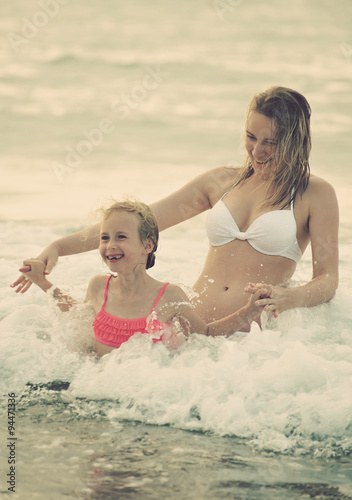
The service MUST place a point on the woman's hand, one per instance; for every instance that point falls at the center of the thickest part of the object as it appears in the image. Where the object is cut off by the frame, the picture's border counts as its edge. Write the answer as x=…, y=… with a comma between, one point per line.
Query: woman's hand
x=275, y=301
x=48, y=257
x=259, y=293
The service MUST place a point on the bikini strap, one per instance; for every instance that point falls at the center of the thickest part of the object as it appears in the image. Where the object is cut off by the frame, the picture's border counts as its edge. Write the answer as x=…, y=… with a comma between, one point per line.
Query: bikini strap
x=230, y=188
x=106, y=290
x=293, y=197
x=159, y=296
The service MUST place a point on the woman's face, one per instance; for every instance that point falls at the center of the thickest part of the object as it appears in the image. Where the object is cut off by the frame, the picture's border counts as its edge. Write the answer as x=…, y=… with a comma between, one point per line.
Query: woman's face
x=260, y=142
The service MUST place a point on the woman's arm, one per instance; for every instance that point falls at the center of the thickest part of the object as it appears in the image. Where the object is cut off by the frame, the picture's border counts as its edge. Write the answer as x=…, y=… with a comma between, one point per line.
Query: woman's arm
x=193, y=198
x=189, y=201
x=323, y=225
x=82, y=241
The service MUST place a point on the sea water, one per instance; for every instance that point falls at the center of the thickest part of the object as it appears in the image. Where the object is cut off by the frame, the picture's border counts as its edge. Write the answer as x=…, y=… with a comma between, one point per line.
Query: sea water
x=103, y=99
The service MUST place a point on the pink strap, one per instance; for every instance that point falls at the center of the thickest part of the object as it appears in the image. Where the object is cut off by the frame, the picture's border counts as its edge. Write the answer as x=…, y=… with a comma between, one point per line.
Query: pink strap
x=155, y=303
x=159, y=296
x=106, y=290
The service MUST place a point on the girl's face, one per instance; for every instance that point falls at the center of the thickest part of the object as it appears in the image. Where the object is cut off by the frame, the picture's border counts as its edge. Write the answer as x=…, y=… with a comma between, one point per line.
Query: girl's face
x=261, y=142
x=120, y=246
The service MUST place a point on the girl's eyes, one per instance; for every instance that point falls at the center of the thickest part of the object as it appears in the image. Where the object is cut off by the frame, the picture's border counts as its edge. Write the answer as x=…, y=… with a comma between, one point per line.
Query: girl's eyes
x=120, y=237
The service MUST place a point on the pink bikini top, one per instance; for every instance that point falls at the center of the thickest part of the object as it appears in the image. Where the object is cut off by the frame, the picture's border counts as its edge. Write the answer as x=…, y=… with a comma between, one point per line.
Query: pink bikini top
x=113, y=331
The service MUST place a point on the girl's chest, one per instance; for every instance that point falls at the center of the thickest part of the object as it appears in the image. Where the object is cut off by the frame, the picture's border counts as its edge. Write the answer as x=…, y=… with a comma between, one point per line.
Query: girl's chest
x=136, y=307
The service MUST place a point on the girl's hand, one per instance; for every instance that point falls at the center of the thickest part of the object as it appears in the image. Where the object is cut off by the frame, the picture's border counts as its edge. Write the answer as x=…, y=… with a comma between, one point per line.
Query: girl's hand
x=49, y=258
x=253, y=306
x=267, y=297
x=22, y=283
x=33, y=272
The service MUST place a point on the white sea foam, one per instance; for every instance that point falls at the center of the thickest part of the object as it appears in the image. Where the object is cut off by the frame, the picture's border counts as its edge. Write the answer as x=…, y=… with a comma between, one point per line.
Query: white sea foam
x=285, y=389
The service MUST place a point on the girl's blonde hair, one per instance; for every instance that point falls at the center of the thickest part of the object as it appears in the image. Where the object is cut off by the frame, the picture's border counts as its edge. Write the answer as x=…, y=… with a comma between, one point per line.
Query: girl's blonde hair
x=147, y=227
x=290, y=112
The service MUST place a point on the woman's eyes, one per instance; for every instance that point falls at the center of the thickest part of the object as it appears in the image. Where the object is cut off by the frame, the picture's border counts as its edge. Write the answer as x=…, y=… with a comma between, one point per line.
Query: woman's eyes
x=269, y=143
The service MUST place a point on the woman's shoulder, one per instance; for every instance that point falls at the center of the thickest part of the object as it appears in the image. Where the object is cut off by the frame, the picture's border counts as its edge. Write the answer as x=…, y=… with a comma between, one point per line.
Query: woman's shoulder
x=215, y=179
x=218, y=180
x=224, y=174
x=319, y=187
x=320, y=197
x=316, y=182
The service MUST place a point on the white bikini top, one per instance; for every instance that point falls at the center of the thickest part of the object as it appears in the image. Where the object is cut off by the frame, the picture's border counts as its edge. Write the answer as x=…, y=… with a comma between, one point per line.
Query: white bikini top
x=272, y=233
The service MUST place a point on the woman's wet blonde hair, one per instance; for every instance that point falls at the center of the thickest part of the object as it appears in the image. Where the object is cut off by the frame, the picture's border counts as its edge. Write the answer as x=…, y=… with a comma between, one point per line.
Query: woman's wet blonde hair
x=290, y=112
x=147, y=227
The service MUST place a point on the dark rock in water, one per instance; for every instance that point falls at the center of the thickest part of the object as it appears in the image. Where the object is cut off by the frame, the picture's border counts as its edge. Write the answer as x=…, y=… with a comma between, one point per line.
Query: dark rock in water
x=55, y=385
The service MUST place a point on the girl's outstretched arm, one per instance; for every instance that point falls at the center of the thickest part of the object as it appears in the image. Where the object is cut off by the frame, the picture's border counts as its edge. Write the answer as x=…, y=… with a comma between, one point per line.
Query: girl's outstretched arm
x=241, y=319
x=180, y=307
x=83, y=241
x=33, y=270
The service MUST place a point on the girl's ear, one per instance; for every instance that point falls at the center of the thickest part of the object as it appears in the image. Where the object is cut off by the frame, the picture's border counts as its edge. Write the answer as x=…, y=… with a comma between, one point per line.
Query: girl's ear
x=148, y=245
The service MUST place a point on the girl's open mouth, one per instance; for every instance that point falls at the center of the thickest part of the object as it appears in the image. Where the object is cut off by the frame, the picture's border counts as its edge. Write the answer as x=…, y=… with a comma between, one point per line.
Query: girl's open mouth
x=114, y=257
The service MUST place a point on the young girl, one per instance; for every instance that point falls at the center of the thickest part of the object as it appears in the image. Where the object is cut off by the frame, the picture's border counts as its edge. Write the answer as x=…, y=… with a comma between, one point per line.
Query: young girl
x=132, y=301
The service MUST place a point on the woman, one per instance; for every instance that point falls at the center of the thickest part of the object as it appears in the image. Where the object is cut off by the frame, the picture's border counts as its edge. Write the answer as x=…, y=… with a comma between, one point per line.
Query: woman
x=262, y=216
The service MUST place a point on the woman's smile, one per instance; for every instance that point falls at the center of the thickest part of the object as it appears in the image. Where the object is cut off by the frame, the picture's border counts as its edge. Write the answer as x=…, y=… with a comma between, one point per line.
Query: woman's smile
x=262, y=162
x=260, y=139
